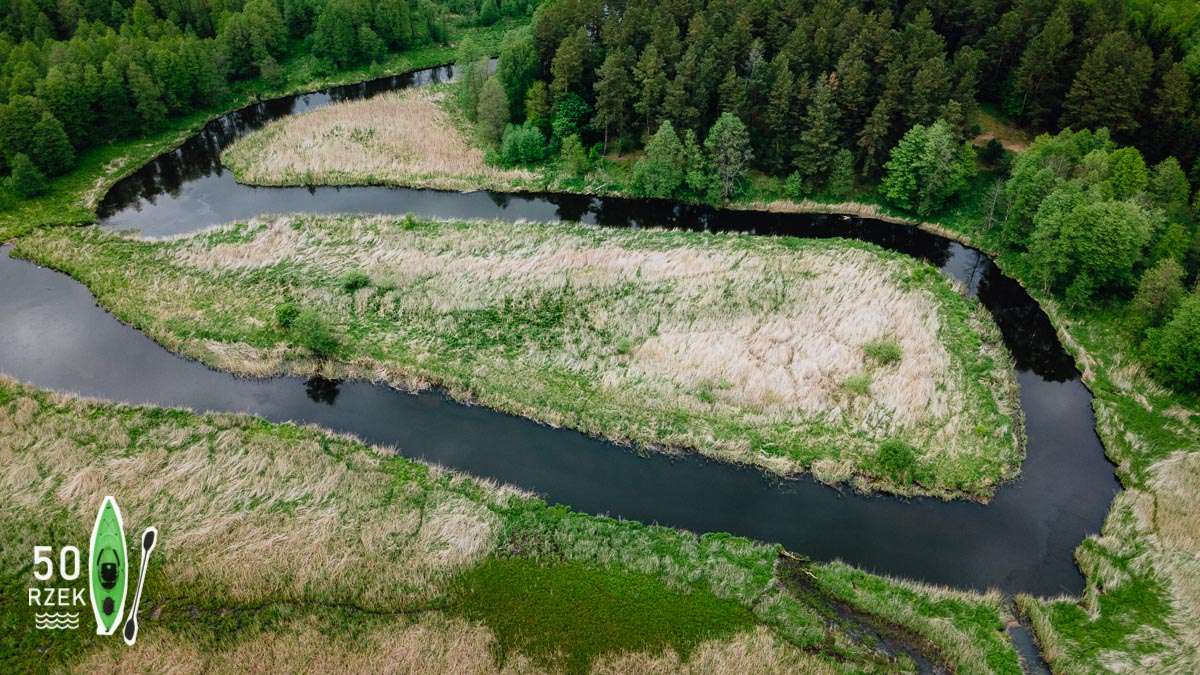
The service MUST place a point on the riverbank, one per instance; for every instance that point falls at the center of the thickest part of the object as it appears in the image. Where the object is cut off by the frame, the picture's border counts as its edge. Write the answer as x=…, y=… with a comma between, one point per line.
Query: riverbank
x=833, y=357
x=74, y=197
x=431, y=573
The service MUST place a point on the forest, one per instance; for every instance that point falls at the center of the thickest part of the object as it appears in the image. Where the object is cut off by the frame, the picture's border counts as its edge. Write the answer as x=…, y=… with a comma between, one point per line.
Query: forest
x=846, y=98
x=75, y=74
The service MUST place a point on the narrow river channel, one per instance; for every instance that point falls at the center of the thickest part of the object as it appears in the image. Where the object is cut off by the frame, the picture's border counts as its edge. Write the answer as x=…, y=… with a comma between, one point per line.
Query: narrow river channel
x=53, y=335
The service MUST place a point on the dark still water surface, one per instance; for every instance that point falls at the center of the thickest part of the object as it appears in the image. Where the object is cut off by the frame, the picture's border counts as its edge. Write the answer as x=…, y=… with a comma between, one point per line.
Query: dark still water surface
x=53, y=335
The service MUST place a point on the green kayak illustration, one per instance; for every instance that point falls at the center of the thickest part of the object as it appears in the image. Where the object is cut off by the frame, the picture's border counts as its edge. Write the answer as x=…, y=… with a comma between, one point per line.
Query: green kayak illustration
x=108, y=568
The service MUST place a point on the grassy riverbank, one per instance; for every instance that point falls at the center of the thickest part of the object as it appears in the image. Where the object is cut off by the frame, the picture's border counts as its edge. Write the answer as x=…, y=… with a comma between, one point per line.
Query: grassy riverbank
x=438, y=571
x=796, y=355
x=73, y=198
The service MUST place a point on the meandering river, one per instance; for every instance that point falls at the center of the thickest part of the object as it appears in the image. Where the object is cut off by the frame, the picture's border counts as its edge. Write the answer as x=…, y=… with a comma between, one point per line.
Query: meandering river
x=53, y=335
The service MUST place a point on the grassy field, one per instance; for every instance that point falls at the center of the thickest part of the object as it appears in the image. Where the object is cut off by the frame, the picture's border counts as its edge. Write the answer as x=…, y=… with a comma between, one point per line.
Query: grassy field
x=73, y=198
x=257, y=569
x=404, y=138
x=829, y=356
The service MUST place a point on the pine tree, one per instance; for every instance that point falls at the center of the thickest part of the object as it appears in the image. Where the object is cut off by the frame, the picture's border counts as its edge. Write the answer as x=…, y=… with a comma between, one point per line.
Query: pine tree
x=652, y=86
x=681, y=103
x=1042, y=77
x=537, y=106
x=820, y=139
x=1109, y=87
x=732, y=93
x=930, y=91
x=874, y=140
x=780, y=105
x=614, y=92
x=489, y=13
x=570, y=60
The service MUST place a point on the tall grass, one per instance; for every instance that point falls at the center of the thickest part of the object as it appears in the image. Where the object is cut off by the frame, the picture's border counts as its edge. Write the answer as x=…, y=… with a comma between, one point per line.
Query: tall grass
x=735, y=346
x=402, y=138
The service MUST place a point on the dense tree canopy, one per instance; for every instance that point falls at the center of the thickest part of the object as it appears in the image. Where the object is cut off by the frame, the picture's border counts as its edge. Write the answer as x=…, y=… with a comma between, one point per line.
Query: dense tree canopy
x=76, y=73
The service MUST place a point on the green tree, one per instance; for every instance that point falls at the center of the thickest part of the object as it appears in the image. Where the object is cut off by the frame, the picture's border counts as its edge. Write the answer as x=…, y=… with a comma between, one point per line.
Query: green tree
x=661, y=171
x=147, y=98
x=538, y=111
x=310, y=332
x=1100, y=241
x=652, y=86
x=55, y=154
x=489, y=13
x=517, y=68
x=1126, y=175
x=928, y=168
x=573, y=157
x=1042, y=77
x=820, y=140
x=729, y=153
x=522, y=145
x=567, y=70
x=1174, y=349
x=1158, y=294
x=571, y=114
x=780, y=104
x=841, y=174
x=492, y=111
x=1169, y=189
x=614, y=92
x=26, y=179
x=473, y=76
x=1109, y=87
x=393, y=22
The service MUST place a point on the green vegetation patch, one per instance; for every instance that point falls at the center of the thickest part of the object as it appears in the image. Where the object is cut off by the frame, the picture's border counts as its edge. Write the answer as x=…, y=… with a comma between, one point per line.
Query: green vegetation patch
x=580, y=611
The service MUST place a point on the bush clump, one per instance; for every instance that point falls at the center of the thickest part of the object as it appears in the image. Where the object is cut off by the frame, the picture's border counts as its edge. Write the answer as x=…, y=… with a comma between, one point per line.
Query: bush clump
x=354, y=280
x=522, y=145
x=884, y=351
x=309, y=330
x=897, y=460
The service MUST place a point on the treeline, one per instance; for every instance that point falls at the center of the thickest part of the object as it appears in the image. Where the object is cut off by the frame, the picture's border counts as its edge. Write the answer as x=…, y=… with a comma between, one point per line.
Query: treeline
x=76, y=73
x=810, y=77
x=1095, y=224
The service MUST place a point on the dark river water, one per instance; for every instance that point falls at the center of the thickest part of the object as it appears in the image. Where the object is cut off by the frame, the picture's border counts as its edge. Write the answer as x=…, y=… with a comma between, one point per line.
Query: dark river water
x=53, y=335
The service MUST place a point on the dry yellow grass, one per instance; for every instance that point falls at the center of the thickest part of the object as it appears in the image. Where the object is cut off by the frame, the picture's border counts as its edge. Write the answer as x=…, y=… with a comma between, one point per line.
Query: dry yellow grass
x=762, y=345
x=253, y=513
x=402, y=138
x=433, y=644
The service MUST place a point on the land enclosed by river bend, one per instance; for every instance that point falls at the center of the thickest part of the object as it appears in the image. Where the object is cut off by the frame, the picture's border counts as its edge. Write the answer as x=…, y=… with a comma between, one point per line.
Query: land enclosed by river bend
x=833, y=357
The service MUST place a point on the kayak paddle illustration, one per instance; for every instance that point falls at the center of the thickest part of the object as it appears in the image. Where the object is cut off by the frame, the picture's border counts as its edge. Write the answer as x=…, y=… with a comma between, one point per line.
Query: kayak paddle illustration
x=149, y=537
x=108, y=568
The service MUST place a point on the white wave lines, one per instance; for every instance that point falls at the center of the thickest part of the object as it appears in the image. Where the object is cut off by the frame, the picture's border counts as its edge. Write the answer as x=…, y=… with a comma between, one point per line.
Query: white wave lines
x=56, y=620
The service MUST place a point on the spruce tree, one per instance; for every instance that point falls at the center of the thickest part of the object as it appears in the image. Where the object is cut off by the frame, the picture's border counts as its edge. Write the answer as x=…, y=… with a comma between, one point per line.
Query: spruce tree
x=570, y=60
x=1109, y=87
x=652, y=86
x=820, y=139
x=779, y=116
x=614, y=92
x=1042, y=77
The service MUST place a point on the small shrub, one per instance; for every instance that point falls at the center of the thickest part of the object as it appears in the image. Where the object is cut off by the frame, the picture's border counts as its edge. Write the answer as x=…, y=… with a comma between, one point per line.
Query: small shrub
x=26, y=180
x=884, y=351
x=859, y=385
x=285, y=314
x=897, y=460
x=311, y=332
x=573, y=157
x=794, y=187
x=992, y=153
x=522, y=145
x=354, y=280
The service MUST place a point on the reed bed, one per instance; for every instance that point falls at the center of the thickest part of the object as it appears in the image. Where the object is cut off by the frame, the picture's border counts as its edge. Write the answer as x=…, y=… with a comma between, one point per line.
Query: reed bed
x=404, y=138
x=290, y=548
x=745, y=349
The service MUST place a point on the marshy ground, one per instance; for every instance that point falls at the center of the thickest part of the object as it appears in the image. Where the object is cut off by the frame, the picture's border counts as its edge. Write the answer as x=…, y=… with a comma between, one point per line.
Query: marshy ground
x=409, y=137
x=796, y=355
x=257, y=569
